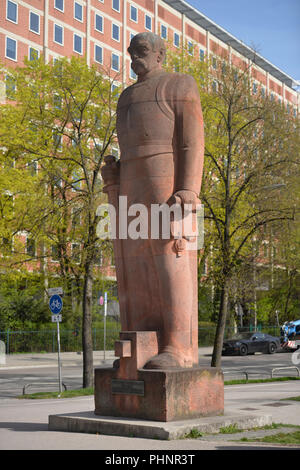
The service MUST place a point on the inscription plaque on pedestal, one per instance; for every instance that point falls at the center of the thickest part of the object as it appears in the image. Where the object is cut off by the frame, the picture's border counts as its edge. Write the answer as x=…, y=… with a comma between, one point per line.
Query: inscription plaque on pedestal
x=127, y=387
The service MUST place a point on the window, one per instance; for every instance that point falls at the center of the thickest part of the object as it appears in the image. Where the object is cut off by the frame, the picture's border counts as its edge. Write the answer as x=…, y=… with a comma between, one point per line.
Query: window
x=77, y=44
x=57, y=142
x=30, y=247
x=59, y=5
x=133, y=14
x=254, y=88
x=78, y=11
x=98, y=54
x=98, y=148
x=116, y=5
x=215, y=86
x=76, y=218
x=34, y=22
x=132, y=74
x=10, y=87
x=214, y=63
x=115, y=32
x=148, y=22
x=54, y=253
x=115, y=89
x=201, y=55
x=58, y=34
x=99, y=23
x=11, y=49
x=263, y=92
x=115, y=62
x=76, y=252
x=98, y=257
x=32, y=167
x=76, y=179
x=190, y=48
x=57, y=101
x=176, y=39
x=33, y=53
x=163, y=31
x=12, y=11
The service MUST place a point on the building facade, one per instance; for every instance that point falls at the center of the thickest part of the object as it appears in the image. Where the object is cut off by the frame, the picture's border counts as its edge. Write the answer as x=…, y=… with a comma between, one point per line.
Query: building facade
x=100, y=30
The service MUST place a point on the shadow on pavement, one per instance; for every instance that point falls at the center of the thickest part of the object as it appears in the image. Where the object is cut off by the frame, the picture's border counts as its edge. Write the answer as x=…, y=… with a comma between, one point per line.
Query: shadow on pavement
x=20, y=426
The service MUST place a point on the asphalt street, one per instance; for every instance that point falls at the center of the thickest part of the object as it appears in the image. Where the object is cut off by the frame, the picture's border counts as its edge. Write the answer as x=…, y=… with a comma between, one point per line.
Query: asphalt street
x=39, y=372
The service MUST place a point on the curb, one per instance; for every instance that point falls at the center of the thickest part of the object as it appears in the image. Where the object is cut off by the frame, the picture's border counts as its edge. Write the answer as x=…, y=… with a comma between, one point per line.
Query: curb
x=88, y=422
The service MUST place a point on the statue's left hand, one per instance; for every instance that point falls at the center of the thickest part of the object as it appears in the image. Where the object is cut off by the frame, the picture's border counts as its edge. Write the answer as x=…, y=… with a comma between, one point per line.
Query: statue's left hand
x=185, y=197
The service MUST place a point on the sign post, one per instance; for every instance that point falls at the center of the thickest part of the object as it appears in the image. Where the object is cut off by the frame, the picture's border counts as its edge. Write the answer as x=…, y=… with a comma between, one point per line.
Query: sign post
x=105, y=314
x=56, y=304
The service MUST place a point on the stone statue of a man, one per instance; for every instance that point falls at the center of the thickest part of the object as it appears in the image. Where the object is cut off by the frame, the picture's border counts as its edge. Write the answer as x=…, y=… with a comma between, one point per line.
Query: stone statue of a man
x=160, y=134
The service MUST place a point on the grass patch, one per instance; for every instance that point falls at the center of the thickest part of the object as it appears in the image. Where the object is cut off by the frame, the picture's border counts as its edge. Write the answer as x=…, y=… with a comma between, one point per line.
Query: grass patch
x=270, y=426
x=193, y=434
x=257, y=381
x=66, y=394
x=292, y=398
x=230, y=429
x=280, y=438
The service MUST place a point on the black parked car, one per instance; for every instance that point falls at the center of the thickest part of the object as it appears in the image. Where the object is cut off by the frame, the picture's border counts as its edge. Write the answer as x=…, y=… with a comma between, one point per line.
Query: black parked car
x=247, y=343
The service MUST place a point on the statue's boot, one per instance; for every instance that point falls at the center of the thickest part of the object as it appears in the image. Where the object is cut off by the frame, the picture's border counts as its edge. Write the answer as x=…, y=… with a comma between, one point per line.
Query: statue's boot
x=163, y=361
x=171, y=358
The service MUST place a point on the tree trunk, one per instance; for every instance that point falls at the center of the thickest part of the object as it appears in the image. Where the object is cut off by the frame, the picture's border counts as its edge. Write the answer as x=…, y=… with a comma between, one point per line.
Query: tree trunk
x=87, y=340
x=218, y=344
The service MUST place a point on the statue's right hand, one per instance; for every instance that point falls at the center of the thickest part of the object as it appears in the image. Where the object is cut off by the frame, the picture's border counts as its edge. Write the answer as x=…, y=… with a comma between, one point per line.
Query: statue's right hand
x=111, y=170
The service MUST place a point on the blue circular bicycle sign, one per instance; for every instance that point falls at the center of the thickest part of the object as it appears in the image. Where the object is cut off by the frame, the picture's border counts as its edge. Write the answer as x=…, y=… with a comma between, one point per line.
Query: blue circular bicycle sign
x=55, y=304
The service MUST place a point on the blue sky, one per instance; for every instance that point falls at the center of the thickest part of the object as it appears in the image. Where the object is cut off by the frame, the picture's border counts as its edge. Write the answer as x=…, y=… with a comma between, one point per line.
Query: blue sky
x=272, y=27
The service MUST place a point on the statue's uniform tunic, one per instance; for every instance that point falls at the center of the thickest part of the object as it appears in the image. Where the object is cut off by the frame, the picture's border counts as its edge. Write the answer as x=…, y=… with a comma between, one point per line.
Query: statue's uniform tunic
x=160, y=133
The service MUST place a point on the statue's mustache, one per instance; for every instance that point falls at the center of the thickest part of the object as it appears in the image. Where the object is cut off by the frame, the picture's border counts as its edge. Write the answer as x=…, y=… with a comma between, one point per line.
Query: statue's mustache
x=138, y=61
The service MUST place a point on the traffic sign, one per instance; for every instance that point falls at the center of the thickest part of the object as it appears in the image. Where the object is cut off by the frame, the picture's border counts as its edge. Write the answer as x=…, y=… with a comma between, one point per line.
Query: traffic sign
x=56, y=318
x=55, y=304
x=55, y=291
x=105, y=304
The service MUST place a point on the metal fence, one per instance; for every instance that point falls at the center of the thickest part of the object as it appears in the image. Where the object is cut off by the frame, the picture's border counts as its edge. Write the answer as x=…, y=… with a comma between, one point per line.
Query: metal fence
x=71, y=340
x=46, y=340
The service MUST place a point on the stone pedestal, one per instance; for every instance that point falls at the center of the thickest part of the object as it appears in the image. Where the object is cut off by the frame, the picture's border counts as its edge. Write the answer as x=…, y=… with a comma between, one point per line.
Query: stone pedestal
x=158, y=395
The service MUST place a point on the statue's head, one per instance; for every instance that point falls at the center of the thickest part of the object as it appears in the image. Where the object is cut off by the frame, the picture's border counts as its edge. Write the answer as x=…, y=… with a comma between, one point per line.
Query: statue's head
x=147, y=51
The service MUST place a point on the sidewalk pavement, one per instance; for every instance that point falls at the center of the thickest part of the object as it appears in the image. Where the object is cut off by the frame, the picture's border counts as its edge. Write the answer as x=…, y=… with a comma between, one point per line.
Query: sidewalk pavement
x=33, y=360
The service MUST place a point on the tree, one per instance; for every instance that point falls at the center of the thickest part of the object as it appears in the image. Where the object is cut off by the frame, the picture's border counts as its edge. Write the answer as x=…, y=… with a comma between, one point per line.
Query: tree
x=250, y=154
x=63, y=121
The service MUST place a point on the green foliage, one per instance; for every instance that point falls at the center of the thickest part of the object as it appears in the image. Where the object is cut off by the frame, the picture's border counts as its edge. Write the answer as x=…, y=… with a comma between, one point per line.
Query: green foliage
x=250, y=183
x=292, y=438
x=65, y=394
x=230, y=429
x=193, y=434
x=53, y=139
x=22, y=303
